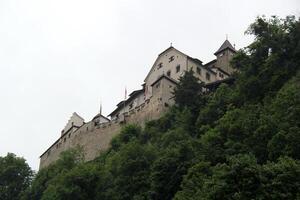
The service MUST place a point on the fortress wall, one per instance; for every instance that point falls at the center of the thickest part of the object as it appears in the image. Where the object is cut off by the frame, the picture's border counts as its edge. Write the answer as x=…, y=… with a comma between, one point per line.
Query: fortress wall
x=96, y=138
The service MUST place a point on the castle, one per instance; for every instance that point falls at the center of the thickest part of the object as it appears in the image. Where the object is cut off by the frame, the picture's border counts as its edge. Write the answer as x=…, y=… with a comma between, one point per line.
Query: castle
x=145, y=104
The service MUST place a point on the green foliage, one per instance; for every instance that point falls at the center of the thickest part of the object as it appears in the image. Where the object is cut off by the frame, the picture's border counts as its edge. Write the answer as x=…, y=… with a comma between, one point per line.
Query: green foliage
x=240, y=142
x=128, y=133
x=188, y=91
x=271, y=60
x=15, y=177
x=44, y=179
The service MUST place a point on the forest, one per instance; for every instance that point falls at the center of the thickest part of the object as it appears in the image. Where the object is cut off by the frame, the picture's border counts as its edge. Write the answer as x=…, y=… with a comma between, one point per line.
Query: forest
x=241, y=141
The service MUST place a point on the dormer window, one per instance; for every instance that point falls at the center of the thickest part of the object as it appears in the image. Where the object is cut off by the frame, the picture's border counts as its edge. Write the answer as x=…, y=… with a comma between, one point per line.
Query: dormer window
x=160, y=65
x=171, y=58
x=177, y=68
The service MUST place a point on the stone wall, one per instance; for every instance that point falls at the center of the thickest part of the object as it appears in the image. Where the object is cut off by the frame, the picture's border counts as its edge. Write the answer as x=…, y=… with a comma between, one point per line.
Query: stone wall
x=96, y=138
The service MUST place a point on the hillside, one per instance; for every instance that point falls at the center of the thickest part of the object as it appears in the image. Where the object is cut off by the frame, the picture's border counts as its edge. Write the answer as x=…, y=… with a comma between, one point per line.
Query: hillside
x=238, y=142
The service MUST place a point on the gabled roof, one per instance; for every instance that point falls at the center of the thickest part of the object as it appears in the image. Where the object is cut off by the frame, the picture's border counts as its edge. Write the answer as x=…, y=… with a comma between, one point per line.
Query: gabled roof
x=210, y=62
x=166, y=77
x=200, y=63
x=125, y=102
x=168, y=49
x=134, y=93
x=224, y=46
x=100, y=115
x=196, y=60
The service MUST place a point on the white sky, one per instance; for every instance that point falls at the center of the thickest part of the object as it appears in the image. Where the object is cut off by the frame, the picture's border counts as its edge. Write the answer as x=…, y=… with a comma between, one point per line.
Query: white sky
x=61, y=56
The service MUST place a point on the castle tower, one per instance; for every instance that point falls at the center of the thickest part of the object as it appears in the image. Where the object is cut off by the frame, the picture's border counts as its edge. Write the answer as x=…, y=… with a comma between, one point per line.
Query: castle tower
x=224, y=55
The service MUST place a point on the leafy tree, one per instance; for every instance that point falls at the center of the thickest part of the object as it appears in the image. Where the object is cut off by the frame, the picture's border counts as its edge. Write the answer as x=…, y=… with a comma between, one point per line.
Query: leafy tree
x=280, y=180
x=129, y=169
x=77, y=184
x=285, y=110
x=270, y=60
x=68, y=160
x=128, y=133
x=193, y=181
x=15, y=177
x=187, y=93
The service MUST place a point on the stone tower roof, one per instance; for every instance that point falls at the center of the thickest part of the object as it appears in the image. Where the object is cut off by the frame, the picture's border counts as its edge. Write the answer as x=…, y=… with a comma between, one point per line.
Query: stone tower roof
x=224, y=46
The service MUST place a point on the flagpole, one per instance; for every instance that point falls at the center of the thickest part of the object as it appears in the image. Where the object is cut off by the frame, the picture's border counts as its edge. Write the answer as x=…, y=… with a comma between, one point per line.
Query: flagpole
x=125, y=102
x=100, y=108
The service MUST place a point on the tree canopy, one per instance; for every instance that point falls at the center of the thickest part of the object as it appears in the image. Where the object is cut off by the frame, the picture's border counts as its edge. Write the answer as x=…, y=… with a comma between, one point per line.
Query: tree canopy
x=15, y=177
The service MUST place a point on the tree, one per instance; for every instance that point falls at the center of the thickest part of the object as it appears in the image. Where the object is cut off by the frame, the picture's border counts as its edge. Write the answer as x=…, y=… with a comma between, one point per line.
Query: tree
x=67, y=161
x=271, y=60
x=188, y=91
x=15, y=177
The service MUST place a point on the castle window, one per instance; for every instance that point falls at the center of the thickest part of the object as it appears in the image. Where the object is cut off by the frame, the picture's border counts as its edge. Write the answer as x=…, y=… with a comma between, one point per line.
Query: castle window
x=207, y=76
x=221, y=75
x=171, y=58
x=169, y=73
x=199, y=70
x=160, y=65
x=177, y=68
x=65, y=139
x=157, y=85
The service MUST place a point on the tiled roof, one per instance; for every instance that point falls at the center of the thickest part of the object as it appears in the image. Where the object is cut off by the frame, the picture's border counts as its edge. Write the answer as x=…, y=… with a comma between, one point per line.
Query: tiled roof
x=224, y=46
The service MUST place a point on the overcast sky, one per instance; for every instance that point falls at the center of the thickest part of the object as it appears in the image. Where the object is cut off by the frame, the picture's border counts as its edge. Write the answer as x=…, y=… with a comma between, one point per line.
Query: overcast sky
x=62, y=56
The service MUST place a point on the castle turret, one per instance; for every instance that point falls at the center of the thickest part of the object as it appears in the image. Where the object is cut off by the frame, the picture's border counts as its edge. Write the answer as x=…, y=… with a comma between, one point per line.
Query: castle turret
x=224, y=55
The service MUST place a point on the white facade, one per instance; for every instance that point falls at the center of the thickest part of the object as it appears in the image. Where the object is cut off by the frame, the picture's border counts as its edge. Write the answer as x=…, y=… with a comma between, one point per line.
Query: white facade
x=173, y=64
x=74, y=121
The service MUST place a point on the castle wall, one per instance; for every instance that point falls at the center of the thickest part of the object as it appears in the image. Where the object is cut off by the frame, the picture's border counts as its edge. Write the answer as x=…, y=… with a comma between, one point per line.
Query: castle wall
x=96, y=138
